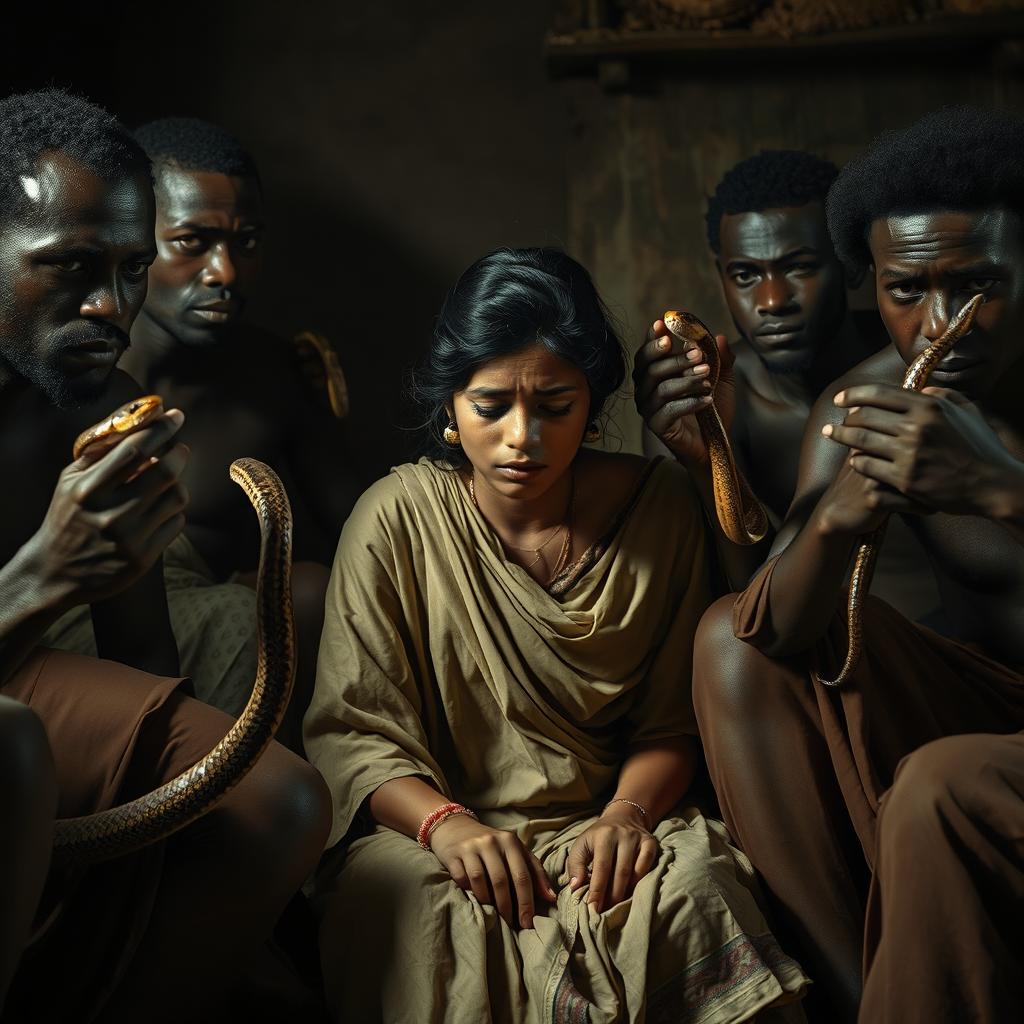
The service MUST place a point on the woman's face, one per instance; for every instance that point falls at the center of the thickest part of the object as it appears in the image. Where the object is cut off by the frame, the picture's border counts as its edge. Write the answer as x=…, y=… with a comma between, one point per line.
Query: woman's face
x=521, y=420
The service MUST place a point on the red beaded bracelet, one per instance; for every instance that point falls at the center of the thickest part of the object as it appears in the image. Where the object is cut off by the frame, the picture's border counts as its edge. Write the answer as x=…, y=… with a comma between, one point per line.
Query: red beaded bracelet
x=434, y=818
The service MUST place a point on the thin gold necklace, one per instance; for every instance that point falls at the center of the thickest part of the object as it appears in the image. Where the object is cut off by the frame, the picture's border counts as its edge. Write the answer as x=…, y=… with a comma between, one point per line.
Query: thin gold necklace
x=538, y=551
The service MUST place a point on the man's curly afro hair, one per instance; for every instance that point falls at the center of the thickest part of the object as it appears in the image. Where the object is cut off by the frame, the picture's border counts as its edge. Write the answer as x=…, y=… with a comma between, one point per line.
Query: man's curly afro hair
x=773, y=178
x=34, y=123
x=195, y=145
x=957, y=158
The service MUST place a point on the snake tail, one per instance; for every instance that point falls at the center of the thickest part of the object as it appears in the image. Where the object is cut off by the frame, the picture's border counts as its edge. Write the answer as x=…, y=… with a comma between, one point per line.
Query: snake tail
x=156, y=815
x=741, y=516
x=915, y=379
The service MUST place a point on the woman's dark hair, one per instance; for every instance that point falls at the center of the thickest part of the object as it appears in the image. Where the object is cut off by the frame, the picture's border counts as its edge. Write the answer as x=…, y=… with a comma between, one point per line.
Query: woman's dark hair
x=509, y=299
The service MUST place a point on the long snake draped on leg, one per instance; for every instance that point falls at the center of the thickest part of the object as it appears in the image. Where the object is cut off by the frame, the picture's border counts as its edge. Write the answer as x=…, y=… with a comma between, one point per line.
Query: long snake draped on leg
x=741, y=515
x=916, y=379
x=156, y=815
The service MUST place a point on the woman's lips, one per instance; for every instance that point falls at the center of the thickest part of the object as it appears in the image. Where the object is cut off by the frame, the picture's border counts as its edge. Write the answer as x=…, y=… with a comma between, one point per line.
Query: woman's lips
x=520, y=472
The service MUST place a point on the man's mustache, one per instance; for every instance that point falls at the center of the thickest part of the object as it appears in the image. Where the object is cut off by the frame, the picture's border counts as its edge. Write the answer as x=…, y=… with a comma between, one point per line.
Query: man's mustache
x=90, y=333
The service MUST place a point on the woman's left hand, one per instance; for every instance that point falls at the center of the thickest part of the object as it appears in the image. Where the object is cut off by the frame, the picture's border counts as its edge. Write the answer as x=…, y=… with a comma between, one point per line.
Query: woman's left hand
x=615, y=852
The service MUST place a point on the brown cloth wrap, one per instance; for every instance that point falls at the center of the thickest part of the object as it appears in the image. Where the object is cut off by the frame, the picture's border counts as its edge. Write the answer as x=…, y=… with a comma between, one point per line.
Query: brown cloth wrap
x=115, y=733
x=945, y=843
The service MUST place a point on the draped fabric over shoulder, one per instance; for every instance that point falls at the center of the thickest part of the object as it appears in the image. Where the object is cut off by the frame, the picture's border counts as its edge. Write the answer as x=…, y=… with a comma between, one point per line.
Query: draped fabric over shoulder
x=441, y=659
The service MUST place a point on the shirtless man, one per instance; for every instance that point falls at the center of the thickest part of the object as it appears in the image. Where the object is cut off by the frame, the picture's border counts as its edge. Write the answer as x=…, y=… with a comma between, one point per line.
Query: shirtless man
x=79, y=734
x=911, y=775
x=236, y=383
x=787, y=293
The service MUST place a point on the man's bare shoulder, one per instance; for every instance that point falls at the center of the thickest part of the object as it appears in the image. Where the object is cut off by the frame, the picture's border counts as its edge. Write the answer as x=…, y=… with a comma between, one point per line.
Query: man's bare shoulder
x=883, y=367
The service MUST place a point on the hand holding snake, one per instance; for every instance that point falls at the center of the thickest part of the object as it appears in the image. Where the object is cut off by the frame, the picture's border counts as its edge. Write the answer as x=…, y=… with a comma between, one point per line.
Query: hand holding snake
x=685, y=392
x=877, y=442
x=120, y=462
x=113, y=511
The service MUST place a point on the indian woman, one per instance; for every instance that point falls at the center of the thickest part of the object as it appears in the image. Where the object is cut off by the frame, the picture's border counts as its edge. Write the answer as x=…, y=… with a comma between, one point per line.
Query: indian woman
x=502, y=708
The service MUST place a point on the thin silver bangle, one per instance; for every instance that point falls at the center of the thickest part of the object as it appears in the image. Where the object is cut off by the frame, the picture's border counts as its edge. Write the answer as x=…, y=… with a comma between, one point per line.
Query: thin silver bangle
x=632, y=803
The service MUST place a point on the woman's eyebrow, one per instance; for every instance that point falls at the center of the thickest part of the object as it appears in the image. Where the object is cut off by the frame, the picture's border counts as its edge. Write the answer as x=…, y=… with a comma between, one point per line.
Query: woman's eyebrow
x=484, y=392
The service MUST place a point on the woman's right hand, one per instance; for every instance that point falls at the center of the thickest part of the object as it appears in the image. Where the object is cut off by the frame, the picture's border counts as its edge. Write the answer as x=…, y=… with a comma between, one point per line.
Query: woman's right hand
x=493, y=865
x=108, y=522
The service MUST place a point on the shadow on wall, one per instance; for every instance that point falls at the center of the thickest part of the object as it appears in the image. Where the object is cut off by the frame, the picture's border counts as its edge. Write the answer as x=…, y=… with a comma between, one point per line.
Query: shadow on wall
x=368, y=293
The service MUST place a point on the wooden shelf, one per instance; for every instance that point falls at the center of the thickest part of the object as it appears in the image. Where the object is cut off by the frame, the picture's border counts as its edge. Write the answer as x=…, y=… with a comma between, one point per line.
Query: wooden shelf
x=583, y=52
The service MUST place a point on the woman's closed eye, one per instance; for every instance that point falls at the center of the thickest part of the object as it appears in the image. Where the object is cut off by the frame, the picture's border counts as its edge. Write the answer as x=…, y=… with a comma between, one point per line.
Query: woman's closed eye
x=494, y=412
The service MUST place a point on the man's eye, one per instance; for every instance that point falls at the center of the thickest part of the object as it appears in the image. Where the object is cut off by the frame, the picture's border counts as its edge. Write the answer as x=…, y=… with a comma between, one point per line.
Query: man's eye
x=804, y=269
x=980, y=284
x=249, y=244
x=904, y=289
x=68, y=266
x=136, y=269
x=744, y=277
x=189, y=243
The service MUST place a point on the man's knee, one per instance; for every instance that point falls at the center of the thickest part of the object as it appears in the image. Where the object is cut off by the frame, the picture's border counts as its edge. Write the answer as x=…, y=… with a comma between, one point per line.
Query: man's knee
x=284, y=807
x=955, y=774
x=26, y=761
x=726, y=671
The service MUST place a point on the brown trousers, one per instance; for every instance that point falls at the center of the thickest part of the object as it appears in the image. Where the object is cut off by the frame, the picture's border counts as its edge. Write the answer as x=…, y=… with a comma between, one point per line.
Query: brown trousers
x=900, y=793
x=176, y=919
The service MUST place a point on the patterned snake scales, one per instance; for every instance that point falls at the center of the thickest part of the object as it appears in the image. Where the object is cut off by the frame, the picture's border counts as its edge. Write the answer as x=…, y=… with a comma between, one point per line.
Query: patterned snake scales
x=741, y=516
x=867, y=551
x=181, y=801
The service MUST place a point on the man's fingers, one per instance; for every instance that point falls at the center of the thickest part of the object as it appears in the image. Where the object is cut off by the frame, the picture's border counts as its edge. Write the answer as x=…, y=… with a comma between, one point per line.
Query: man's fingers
x=121, y=461
x=880, y=420
x=956, y=397
x=878, y=396
x=155, y=477
x=661, y=422
x=883, y=446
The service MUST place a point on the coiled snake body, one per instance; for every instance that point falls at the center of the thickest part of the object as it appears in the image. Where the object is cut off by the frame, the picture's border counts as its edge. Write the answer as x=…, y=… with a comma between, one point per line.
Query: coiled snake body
x=177, y=803
x=741, y=515
x=915, y=379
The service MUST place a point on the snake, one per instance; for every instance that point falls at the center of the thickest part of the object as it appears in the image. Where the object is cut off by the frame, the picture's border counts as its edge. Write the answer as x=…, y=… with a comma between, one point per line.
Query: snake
x=915, y=379
x=741, y=516
x=311, y=344
x=154, y=816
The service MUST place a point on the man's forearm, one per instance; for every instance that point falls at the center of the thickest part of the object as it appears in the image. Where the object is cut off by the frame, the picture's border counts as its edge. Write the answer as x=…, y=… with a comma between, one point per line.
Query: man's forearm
x=27, y=610
x=806, y=589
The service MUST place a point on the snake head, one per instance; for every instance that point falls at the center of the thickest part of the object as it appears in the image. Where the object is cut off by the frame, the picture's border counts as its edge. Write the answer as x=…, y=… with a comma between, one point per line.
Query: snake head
x=686, y=326
x=131, y=416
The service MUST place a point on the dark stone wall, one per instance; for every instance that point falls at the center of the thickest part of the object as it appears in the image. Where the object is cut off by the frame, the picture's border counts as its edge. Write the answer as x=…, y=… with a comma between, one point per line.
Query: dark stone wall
x=397, y=141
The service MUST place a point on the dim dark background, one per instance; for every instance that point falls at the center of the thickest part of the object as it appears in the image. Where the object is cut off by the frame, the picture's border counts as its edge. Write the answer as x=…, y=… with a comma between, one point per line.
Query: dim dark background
x=398, y=140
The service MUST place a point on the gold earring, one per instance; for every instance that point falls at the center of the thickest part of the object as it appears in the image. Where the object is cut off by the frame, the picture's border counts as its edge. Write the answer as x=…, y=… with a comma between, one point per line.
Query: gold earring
x=592, y=433
x=451, y=435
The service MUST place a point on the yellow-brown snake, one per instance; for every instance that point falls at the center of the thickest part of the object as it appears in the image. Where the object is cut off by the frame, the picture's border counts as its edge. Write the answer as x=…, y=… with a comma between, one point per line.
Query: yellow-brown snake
x=154, y=816
x=740, y=514
x=915, y=379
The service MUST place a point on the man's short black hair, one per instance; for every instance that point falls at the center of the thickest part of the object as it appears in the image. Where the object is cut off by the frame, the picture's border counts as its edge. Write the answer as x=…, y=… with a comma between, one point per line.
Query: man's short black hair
x=34, y=123
x=195, y=145
x=773, y=178
x=957, y=158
